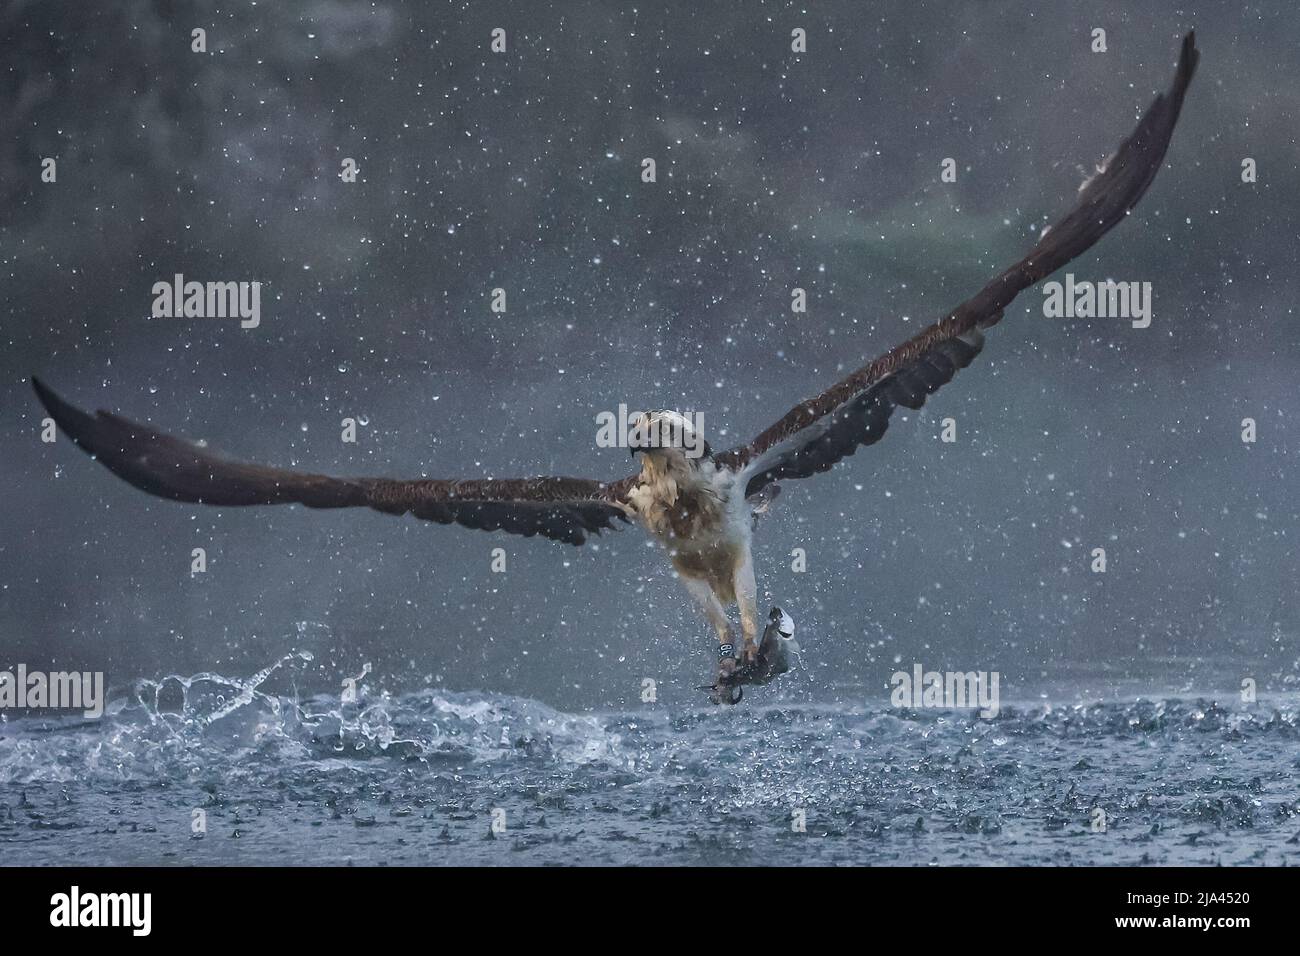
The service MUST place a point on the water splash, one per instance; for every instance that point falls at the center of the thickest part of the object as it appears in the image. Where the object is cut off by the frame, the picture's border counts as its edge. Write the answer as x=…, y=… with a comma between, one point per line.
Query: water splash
x=195, y=725
x=1180, y=781
x=149, y=694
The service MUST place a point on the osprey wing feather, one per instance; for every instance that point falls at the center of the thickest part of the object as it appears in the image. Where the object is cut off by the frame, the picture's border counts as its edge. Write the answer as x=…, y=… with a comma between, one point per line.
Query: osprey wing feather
x=855, y=411
x=564, y=509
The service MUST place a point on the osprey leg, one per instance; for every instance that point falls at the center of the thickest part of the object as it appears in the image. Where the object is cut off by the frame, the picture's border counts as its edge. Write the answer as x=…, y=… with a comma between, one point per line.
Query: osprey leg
x=747, y=600
x=717, y=615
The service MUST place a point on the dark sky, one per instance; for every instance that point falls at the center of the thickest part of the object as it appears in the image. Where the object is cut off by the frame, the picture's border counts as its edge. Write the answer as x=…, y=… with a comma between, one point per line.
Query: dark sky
x=522, y=171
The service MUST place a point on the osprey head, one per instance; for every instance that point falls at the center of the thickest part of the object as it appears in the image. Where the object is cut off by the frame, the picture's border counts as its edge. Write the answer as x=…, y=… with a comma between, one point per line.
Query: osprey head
x=669, y=435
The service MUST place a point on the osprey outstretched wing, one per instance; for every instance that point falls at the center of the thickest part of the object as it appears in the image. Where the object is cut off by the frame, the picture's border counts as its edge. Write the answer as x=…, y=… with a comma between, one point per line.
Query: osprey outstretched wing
x=855, y=411
x=565, y=509
x=808, y=439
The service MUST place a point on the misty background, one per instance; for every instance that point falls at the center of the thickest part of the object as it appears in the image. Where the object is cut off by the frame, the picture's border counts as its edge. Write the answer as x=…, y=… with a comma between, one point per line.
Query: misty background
x=522, y=170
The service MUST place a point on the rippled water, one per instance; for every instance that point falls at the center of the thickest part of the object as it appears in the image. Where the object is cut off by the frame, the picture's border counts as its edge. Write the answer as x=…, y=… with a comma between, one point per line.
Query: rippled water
x=420, y=778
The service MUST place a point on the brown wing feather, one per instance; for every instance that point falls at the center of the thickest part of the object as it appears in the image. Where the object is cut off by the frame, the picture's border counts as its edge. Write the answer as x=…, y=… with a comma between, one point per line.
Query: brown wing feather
x=782, y=451
x=565, y=509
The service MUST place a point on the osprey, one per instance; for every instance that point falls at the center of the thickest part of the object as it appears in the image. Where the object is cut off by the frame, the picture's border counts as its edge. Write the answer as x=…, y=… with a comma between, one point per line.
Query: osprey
x=699, y=504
